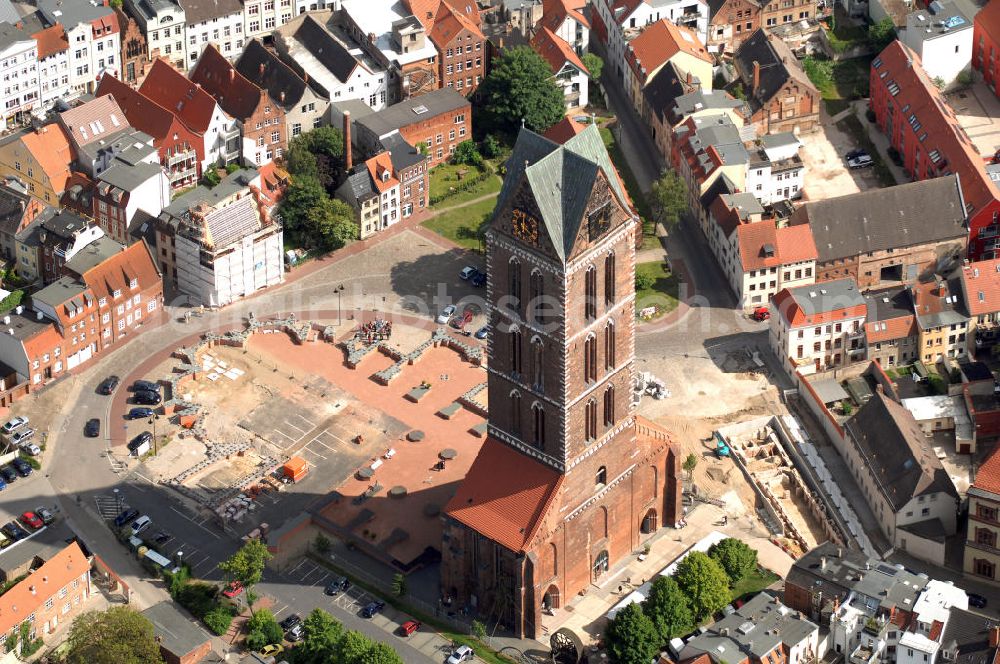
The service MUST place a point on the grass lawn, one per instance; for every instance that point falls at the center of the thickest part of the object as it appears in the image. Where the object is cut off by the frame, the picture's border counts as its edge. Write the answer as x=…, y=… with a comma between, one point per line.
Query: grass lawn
x=845, y=34
x=663, y=293
x=461, y=225
x=754, y=583
x=446, y=175
x=839, y=82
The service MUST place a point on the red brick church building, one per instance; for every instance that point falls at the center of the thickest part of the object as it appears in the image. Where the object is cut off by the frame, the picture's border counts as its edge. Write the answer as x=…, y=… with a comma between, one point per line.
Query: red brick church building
x=569, y=481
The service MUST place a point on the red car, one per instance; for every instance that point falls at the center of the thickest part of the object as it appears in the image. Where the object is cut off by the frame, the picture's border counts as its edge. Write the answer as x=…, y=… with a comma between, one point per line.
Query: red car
x=409, y=627
x=761, y=314
x=234, y=589
x=32, y=520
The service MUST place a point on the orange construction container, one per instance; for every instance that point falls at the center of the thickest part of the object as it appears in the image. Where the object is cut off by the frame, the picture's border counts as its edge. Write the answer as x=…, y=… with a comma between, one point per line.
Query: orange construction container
x=295, y=468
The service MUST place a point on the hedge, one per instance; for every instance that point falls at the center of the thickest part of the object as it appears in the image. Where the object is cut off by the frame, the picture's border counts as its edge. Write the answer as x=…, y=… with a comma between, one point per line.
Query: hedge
x=464, y=185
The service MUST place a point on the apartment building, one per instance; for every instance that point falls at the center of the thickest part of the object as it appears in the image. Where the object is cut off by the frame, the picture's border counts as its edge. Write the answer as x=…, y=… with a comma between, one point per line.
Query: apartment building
x=133, y=56
x=891, y=332
x=261, y=17
x=568, y=70
x=780, y=95
x=566, y=20
x=19, y=71
x=40, y=157
x=93, y=36
x=981, y=558
x=53, y=65
x=651, y=50
x=219, y=23
x=163, y=22
x=941, y=319
x=980, y=283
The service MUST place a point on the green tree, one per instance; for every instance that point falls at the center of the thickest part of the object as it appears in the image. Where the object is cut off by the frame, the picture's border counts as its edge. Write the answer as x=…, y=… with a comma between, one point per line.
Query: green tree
x=116, y=4
x=301, y=160
x=519, y=88
x=116, y=636
x=247, y=566
x=399, y=585
x=738, y=91
x=667, y=198
x=704, y=582
x=467, y=153
x=644, y=280
x=382, y=653
x=479, y=630
x=218, y=620
x=301, y=196
x=881, y=34
x=667, y=606
x=210, y=178
x=353, y=647
x=321, y=636
x=332, y=224
x=736, y=558
x=690, y=463
x=594, y=65
x=255, y=640
x=631, y=637
x=263, y=621
x=327, y=140
x=322, y=544
x=491, y=147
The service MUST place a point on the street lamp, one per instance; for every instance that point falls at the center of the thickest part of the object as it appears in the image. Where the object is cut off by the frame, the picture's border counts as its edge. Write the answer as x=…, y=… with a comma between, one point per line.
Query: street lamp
x=338, y=290
x=118, y=501
x=152, y=421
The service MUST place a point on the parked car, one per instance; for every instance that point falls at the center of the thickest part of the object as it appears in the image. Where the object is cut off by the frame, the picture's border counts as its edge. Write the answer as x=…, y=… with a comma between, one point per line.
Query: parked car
x=294, y=634
x=479, y=280
x=483, y=332
x=146, y=398
x=31, y=448
x=4, y=541
x=272, y=650
x=864, y=161
x=45, y=515
x=14, y=424
x=145, y=386
x=338, y=585
x=858, y=152
x=468, y=272
x=446, y=314
x=22, y=467
x=3, y=484
x=143, y=438
x=32, y=521
x=9, y=474
x=761, y=314
x=92, y=428
x=409, y=627
x=233, y=590
x=290, y=621
x=372, y=608
x=141, y=524
x=108, y=385
x=461, y=654
x=22, y=436
x=14, y=531
x=139, y=412
x=125, y=517
x=977, y=601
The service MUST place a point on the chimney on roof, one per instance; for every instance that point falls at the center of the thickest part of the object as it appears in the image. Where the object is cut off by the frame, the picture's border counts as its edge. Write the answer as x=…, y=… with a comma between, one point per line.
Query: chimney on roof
x=305, y=77
x=282, y=96
x=822, y=562
x=261, y=68
x=690, y=79
x=232, y=74
x=879, y=389
x=347, y=140
x=756, y=74
x=994, y=637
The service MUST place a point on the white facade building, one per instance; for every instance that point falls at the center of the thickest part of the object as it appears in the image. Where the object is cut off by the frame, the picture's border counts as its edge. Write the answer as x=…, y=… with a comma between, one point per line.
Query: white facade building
x=622, y=24
x=776, y=171
x=163, y=23
x=227, y=253
x=219, y=22
x=53, y=66
x=19, y=69
x=261, y=17
x=94, y=39
x=942, y=37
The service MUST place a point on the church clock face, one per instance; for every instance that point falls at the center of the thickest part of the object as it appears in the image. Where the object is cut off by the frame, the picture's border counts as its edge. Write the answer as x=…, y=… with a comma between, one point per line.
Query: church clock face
x=599, y=221
x=524, y=226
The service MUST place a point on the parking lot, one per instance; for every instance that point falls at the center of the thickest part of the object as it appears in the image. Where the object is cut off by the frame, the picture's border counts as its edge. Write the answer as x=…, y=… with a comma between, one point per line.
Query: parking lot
x=826, y=172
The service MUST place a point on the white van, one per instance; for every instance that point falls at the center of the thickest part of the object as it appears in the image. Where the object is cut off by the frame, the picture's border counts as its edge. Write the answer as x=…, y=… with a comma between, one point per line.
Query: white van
x=141, y=524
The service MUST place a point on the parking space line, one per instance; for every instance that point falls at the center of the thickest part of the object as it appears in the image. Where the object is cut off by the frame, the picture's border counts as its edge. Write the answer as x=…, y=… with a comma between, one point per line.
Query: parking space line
x=317, y=440
x=322, y=580
x=284, y=435
x=304, y=419
x=302, y=432
x=296, y=568
x=194, y=522
x=311, y=451
x=275, y=613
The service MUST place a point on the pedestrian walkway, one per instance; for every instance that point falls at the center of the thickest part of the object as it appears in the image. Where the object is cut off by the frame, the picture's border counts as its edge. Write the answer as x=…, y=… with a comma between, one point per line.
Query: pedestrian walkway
x=878, y=139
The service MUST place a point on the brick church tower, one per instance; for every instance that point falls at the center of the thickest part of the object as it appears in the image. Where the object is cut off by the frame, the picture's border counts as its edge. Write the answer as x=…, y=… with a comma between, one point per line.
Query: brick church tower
x=569, y=480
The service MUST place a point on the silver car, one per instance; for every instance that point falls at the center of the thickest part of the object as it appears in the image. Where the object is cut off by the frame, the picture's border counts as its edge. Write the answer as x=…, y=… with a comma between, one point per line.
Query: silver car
x=14, y=424
x=461, y=654
x=446, y=314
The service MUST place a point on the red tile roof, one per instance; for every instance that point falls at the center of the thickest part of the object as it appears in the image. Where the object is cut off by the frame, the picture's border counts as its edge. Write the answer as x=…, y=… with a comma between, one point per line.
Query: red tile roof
x=622, y=9
x=556, y=51
x=791, y=244
x=49, y=145
x=988, y=19
x=981, y=286
x=554, y=12
x=505, y=495
x=378, y=167
x=143, y=113
x=171, y=89
x=94, y=120
x=944, y=133
x=51, y=41
x=988, y=474
x=564, y=130
x=658, y=43
x=449, y=22
x=827, y=307
x=43, y=584
x=425, y=11
x=895, y=328
x=236, y=95
x=116, y=272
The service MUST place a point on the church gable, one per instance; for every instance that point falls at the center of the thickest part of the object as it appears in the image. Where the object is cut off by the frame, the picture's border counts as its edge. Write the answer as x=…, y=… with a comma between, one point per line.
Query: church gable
x=521, y=219
x=602, y=214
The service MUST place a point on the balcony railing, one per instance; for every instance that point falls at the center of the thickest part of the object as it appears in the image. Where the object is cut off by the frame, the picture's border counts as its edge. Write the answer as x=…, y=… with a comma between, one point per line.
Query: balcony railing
x=178, y=157
x=180, y=174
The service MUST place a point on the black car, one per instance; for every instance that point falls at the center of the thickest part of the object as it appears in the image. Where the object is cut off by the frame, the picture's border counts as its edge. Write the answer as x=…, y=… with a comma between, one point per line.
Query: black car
x=977, y=601
x=92, y=428
x=139, y=412
x=291, y=621
x=22, y=467
x=14, y=531
x=853, y=154
x=478, y=279
x=371, y=609
x=143, y=438
x=125, y=517
x=145, y=386
x=146, y=398
x=9, y=474
x=108, y=385
x=338, y=585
